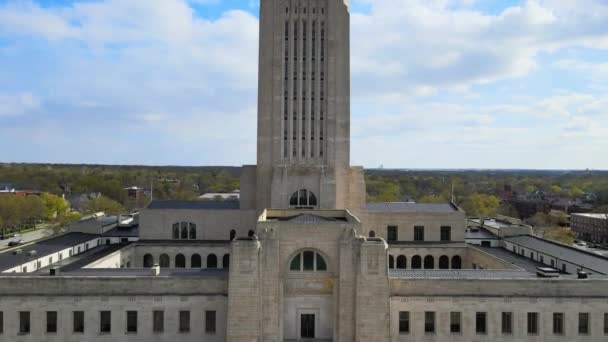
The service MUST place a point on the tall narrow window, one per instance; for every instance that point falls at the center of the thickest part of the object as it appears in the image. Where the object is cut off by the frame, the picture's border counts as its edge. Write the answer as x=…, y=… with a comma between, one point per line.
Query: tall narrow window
x=455, y=322
x=507, y=322
x=401, y=262
x=429, y=322
x=184, y=321
x=606, y=323
x=78, y=322
x=391, y=233
x=404, y=322
x=416, y=262
x=1, y=322
x=418, y=233
x=51, y=321
x=583, y=323
x=481, y=322
x=131, y=322
x=558, y=323
x=105, y=321
x=226, y=261
x=158, y=321
x=446, y=233
x=210, y=322
x=24, y=322
x=532, y=323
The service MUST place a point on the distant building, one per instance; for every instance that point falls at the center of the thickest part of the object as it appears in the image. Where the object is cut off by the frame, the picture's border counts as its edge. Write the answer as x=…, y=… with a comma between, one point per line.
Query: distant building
x=590, y=227
x=221, y=196
x=7, y=188
x=136, y=197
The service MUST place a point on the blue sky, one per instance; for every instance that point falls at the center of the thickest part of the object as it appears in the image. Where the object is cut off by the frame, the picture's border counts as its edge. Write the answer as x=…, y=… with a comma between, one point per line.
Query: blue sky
x=435, y=83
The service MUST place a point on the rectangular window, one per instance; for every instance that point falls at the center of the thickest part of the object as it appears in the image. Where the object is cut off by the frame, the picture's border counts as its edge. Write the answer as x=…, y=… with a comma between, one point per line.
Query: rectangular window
x=158, y=324
x=455, y=322
x=210, y=322
x=24, y=322
x=605, y=323
x=583, y=323
x=131, y=321
x=51, y=321
x=558, y=323
x=391, y=233
x=105, y=321
x=481, y=324
x=1, y=322
x=507, y=322
x=404, y=322
x=446, y=233
x=78, y=321
x=184, y=321
x=429, y=322
x=418, y=233
x=532, y=323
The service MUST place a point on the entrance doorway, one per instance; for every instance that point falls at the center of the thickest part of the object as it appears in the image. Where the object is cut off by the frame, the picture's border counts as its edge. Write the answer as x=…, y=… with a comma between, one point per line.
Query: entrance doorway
x=307, y=325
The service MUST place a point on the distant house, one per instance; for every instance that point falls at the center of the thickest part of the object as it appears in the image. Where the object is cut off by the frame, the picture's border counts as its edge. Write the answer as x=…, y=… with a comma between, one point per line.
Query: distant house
x=215, y=196
x=7, y=187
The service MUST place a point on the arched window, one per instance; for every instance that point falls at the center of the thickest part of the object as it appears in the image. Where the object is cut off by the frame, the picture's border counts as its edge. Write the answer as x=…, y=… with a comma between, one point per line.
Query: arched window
x=251, y=233
x=444, y=262
x=401, y=262
x=372, y=233
x=226, y=261
x=211, y=261
x=195, y=261
x=416, y=262
x=148, y=260
x=308, y=261
x=176, y=231
x=232, y=234
x=303, y=199
x=184, y=230
x=456, y=262
x=180, y=261
x=429, y=262
x=192, y=231
x=391, y=262
x=164, y=261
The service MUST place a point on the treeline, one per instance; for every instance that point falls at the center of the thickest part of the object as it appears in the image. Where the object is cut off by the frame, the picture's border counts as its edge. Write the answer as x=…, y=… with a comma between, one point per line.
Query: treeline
x=23, y=212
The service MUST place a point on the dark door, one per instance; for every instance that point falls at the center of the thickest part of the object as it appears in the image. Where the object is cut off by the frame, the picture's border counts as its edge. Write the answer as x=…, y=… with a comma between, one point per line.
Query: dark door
x=307, y=328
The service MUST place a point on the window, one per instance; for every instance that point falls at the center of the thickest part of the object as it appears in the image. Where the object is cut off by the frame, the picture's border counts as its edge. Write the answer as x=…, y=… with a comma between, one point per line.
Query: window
x=210, y=322
x=416, y=262
x=250, y=233
x=418, y=233
x=456, y=262
x=196, y=261
x=391, y=262
x=507, y=322
x=455, y=322
x=308, y=261
x=78, y=321
x=372, y=234
x=303, y=199
x=583, y=323
x=24, y=322
x=481, y=323
x=51, y=321
x=192, y=231
x=184, y=321
x=401, y=262
x=105, y=321
x=232, y=234
x=180, y=261
x=211, y=261
x=176, y=230
x=444, y=262
x=1, y=322
x=158, y=321
x=404, y=322
x=226, y=261
x=429, y=322
x=605, y=323
x=429, y=262
x=532, y=323
x=391, y=233
x=131, y=321
x=148, y=260
x=558, y=323
x=446, y=233
x=164, y=261
x=184, y=231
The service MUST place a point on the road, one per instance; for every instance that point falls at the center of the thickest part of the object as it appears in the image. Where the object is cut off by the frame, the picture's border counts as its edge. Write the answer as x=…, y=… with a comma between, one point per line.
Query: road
x=27, y=237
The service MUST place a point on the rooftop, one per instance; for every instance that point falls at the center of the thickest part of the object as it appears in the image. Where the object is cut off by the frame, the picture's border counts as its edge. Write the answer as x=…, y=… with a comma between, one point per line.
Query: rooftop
x=560, y=251
x=479, y=233
x=9, y=259
x=460, y=274
x=599, y=216
x=132, y=231
x=195, y=205
x=411, y=207
x=512, y=258
x=309, y=218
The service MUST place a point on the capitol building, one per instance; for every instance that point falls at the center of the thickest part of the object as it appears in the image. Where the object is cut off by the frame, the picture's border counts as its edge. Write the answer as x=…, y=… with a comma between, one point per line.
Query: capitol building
x=301, y=255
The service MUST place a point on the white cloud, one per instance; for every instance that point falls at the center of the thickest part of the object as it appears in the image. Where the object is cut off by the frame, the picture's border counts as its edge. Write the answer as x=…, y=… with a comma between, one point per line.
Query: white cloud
x=14, y=104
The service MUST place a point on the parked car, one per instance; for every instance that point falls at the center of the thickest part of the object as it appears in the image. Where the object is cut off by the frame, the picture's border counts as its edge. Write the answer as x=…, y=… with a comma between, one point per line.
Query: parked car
x=15, y=242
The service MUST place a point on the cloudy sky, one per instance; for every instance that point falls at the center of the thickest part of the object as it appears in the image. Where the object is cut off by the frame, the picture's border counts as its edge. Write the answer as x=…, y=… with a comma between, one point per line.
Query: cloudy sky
x=435, y=83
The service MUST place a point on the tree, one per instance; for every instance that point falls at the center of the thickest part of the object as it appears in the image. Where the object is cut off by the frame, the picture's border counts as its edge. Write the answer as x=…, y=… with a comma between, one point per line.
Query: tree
x=54, y=206
x=104, y=204
x=433, y=199
x=480, y=205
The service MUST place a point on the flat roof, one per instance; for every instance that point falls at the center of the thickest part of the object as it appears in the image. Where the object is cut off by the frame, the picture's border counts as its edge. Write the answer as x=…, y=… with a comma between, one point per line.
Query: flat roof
x=132, y=231
x=512, y=258
x=195, y=205
x=143, y=272
x=479, y=234
x=564, y=252
x=460, y=274
x=411, y=207
x=45, y=247
x=598, y=216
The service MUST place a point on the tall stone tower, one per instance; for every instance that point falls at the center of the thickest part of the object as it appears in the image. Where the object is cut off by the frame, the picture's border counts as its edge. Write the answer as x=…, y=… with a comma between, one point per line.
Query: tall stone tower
x=303, y=150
